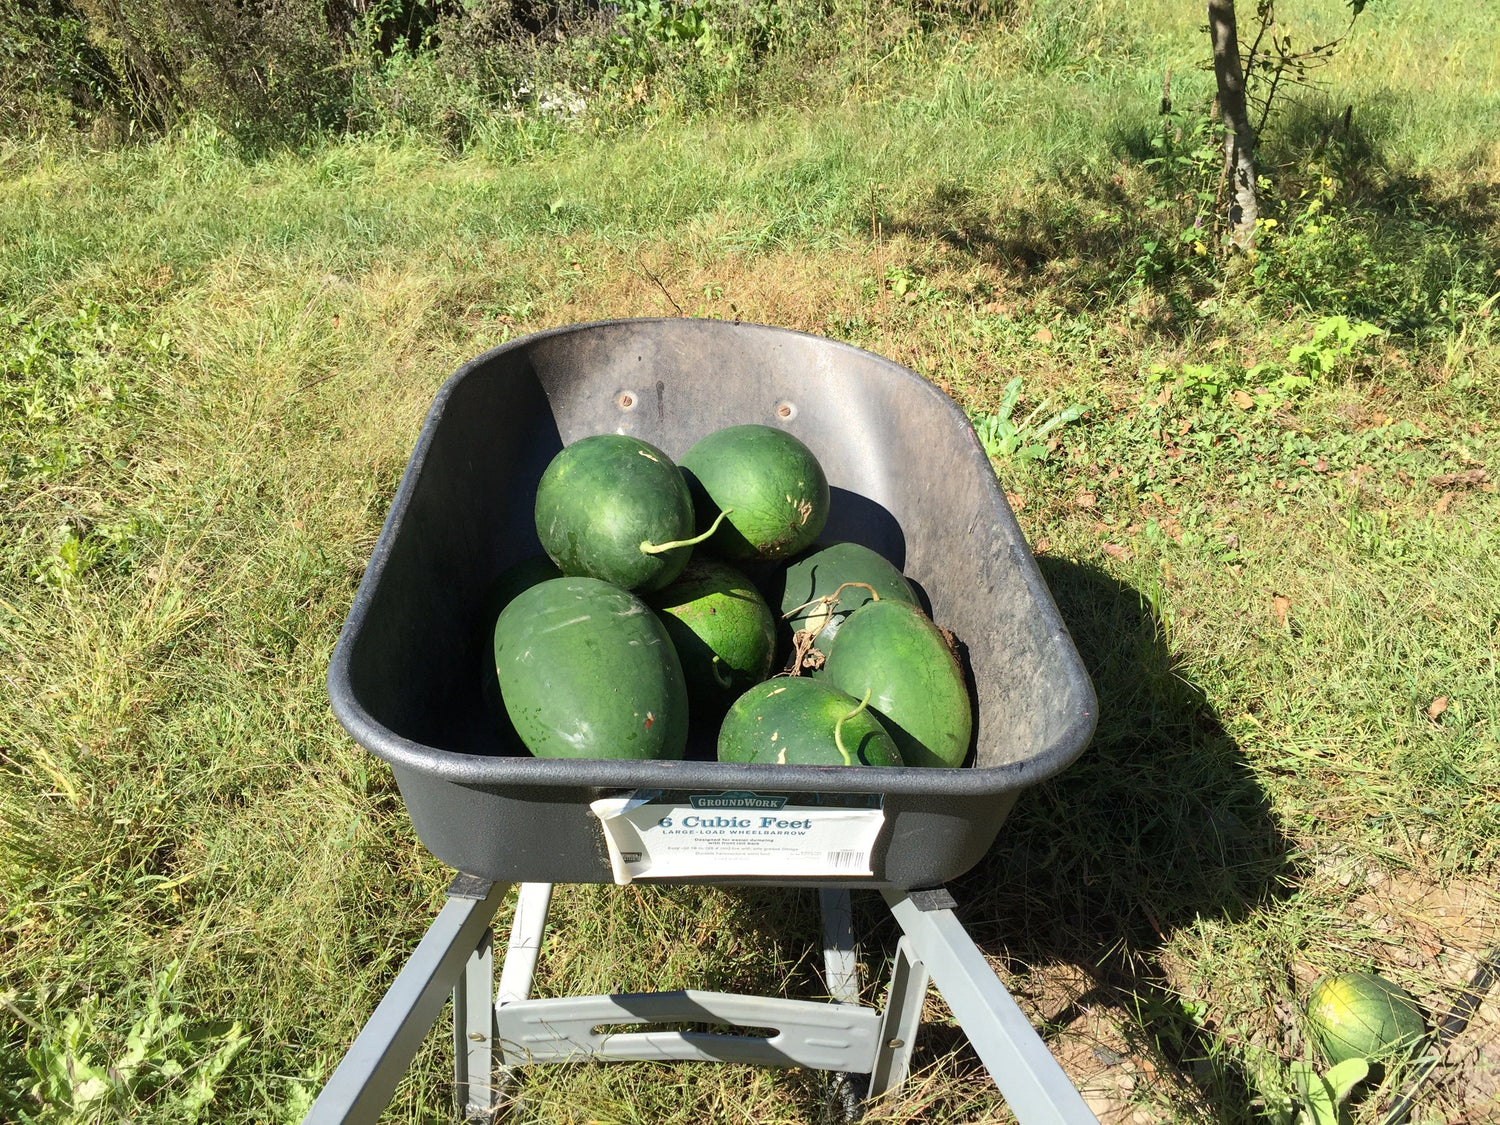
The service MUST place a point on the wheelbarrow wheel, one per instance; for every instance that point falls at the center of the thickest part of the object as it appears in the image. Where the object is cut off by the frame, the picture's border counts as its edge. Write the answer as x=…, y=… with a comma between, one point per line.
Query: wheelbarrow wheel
x=845, y=1099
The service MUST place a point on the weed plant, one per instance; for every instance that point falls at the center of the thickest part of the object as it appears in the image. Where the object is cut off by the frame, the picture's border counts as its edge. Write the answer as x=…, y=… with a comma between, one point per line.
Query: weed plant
x=1271, y=532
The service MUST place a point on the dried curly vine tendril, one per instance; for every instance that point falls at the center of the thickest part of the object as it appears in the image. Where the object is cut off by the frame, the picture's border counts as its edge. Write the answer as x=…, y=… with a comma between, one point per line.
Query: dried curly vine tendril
x=838, y=728
x=830, y=599
x=650, y=548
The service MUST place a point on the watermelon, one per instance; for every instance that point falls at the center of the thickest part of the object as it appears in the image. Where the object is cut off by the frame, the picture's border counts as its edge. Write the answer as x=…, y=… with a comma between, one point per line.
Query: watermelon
x=615, y=508
x=1363, y=1016
x=521, y=576
x=892, y=651
x=769, y=485
x=792, y=721
x=722, y=629
x=586, y=670
x=845, y=569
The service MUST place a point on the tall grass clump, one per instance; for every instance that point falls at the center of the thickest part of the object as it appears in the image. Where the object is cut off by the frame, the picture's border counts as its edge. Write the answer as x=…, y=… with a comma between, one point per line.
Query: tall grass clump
x=283, y=73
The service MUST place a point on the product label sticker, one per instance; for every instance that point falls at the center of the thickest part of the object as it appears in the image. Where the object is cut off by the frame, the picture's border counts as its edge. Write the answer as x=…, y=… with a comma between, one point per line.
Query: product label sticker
x=679, y=835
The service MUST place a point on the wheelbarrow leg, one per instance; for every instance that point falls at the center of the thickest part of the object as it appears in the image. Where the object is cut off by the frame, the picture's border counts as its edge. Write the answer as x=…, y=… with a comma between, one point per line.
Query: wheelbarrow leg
x=474, y=1033
x=1034, y=1085
x=528, y=929
x=846, y=1091
x=899, y=1021
x=362, y=1086
x=477, y=1089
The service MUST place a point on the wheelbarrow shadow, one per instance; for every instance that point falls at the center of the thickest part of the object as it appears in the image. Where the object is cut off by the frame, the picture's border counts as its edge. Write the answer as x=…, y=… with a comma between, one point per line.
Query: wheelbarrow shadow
x=1159, y=823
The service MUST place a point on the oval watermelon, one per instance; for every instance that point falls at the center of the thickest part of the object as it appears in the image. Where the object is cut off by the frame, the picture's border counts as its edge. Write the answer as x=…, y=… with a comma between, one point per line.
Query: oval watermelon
x=512, y=581
x=845, y=568
x=722, y=629
x=586, y=670
x=1363, y=1016
x=891, y=650
x=791, y=721
x=605, y=507
x=769, y=485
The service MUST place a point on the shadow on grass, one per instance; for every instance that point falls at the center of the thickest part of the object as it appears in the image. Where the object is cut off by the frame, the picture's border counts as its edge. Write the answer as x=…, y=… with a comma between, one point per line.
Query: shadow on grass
x=1160, y=822
x=1086, y=241
x=1390, y=244
x=1028, y=237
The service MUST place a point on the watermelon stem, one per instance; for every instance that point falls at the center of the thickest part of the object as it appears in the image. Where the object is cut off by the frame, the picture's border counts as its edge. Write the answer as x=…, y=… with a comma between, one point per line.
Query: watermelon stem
x=830, y=599
x=650, y=548
x=838, y=727
x=721, y=677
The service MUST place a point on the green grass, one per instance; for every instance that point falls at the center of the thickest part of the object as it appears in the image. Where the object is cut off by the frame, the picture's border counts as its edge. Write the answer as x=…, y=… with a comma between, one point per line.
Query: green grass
x=215, y=364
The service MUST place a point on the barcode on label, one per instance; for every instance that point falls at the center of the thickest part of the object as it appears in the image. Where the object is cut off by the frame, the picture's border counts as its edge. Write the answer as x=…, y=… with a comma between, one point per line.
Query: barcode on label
x=841, y=861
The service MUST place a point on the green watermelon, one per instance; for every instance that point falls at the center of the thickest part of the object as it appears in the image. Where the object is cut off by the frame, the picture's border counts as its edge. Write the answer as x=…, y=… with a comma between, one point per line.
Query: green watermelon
x=722, y=629
x=615, y=508
x=521, y=576
x=586, y=670
x=842, y=568
x=892, y=651
x=1363, y=1016
x=792, y=721
x=769, y=485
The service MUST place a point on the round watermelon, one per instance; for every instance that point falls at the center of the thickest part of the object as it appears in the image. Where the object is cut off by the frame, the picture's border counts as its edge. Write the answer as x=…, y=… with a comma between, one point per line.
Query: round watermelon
x=722, y=629
x=891, y=651
x=770, y=487
x=611, y=507
x=1363, y=1016
x=852, y=573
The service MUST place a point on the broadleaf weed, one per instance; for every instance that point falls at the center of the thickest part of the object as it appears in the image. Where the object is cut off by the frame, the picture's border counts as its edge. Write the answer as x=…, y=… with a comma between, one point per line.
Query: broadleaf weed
x=1004, y=438
x=83, y=1074
x=1335, y=344
x=1335, y=341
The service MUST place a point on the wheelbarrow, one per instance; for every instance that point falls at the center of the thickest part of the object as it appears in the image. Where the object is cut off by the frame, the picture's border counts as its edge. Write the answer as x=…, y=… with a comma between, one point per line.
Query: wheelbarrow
x=908, y=479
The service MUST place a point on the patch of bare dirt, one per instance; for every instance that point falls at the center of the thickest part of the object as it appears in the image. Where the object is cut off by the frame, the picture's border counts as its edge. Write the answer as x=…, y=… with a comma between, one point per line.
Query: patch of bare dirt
x=1432, y=939
x=1428, y=937
x=1091, y=1036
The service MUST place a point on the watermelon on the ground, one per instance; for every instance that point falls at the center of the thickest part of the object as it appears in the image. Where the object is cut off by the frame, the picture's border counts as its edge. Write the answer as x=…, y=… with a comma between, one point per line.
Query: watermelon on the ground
x=1363, y=1016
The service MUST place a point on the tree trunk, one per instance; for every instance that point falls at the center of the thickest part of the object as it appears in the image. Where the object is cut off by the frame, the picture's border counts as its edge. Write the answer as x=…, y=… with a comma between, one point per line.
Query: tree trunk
x=1239, y=137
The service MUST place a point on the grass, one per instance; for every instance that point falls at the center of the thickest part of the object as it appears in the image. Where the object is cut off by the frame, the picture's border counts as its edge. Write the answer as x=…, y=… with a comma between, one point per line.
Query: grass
x=214, y=366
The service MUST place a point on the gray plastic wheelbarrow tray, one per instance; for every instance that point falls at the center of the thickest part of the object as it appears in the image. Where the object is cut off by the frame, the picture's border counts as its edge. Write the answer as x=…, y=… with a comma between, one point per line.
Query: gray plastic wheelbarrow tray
x=909, y=479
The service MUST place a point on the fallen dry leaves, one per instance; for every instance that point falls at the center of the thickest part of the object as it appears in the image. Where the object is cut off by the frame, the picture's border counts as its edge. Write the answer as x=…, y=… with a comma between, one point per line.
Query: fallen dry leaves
x=1469, y=478
x=1280, y=607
